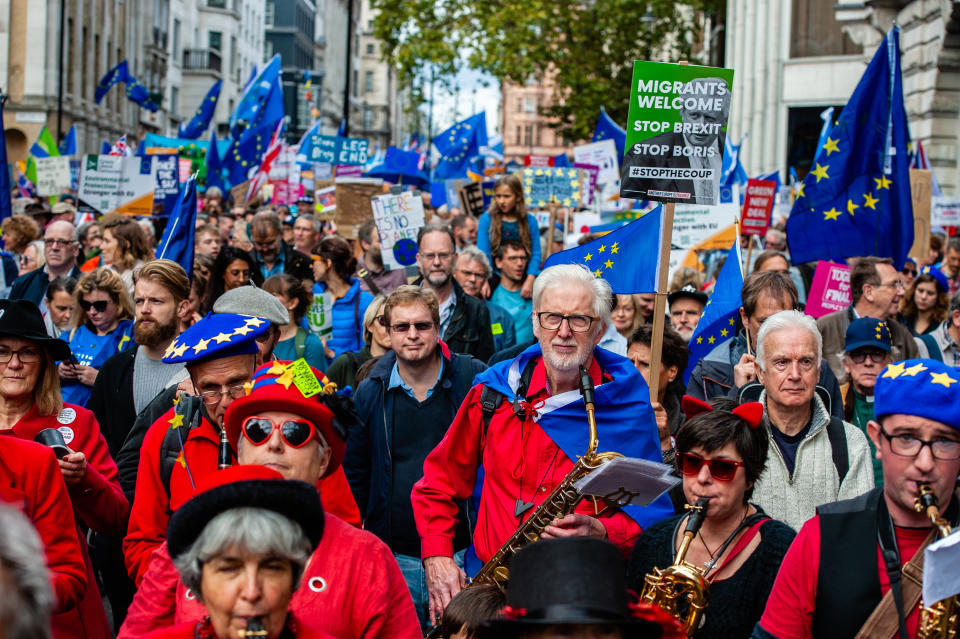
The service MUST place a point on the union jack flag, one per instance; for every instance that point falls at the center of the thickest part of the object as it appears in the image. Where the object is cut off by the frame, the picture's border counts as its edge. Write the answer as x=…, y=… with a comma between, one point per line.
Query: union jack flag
x=121, y=148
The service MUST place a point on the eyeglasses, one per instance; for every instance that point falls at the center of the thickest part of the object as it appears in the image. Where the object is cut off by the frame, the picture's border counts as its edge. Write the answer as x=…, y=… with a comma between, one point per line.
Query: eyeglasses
x=264, y=337
x=99, y=306
x=473, y=274
x=212, y=397
x=295, y=432
x=64, y=243
x=25, y=355
x=909, y=271
x=404, y=327
x=720, y=469
x=433, y=257
x=577, y=323
x=877, y=357
x=906, y=445
x=894, y=285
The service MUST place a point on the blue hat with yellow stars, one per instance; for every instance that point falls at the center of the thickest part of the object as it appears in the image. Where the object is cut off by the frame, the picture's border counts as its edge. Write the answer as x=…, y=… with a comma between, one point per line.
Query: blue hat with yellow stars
x=216, y=336
x=921, y=387
x=868, y=331
x=938, y=275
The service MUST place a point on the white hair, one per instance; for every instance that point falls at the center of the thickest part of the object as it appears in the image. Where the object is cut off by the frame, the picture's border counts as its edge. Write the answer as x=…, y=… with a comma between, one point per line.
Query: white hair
x=786, y=320
x=478, y=256
x=26, y=598
x=565, y=275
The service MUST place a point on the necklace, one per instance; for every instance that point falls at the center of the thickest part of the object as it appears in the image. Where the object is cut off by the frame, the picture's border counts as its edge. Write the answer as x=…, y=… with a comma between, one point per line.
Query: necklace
x=715, y=556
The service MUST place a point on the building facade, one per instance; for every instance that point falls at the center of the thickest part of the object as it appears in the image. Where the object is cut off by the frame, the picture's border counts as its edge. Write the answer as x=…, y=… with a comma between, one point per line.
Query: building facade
x=525, y=131
x=290, y=31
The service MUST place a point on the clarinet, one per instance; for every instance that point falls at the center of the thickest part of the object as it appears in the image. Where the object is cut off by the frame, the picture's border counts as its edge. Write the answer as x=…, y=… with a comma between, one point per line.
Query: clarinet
x=255, y=628
x=223, y=459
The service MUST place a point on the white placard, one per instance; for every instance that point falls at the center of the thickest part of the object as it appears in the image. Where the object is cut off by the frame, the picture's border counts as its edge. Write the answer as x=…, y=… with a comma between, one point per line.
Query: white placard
x=53, y=175
x=399, y=219
x=944, y=211
x=116, y=183
x=320, y=314
x=602, y=154
x=941, y=579
x=694, y=224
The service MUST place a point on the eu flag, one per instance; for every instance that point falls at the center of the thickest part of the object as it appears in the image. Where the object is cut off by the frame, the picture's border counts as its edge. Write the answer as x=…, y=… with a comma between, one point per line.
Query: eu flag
x=69, y=144
x=201, y=119
x=136, y=92
x=719, y=319
x=856, y=199
x=261, y=105
x=245, y=154
x=214, y=164
x=119, y=73
x=608, y=129
x=628, y=258
x=458, y=145
x=400, y=167
x=6, y=204
x=177, y=241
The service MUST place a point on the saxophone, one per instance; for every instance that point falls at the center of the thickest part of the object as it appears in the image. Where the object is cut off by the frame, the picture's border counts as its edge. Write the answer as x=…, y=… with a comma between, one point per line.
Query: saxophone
x=940, y=620
x=255, y=628
x=681, y=581
x=561, y=502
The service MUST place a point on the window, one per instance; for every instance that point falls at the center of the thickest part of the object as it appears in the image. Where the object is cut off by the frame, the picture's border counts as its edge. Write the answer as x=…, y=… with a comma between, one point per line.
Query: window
x=233, y=54
x=528, y=135
x=215, y=40
x=176, y=40
x=368, y=82
x=370, y=49
x=218, y=4
x=519, y=104
x=367, y=118
x=530, y=105
x=268, y=14
x=519, y=138
x=816, y=31
x=174, y=100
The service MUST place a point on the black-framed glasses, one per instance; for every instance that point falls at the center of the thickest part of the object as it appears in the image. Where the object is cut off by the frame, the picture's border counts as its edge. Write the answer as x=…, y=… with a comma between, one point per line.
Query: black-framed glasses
x=99, y=306
x=907, y=445
x=28, y=355
x=404, y=327
x=577, y=323
x=295, y=432
x=213, y=396
x=894, y=285
x=860, y=356
x=433, y=257
x=720, y=469
x=909, y=271
x=265, y=336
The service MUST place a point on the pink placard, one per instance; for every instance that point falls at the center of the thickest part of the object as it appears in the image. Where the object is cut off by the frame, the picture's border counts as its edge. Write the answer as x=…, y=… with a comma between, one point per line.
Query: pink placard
x=347, y=170
x=830, y=289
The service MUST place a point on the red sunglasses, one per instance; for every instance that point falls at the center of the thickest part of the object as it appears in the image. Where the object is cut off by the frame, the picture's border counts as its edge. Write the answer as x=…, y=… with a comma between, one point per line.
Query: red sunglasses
x=295, y=432
x=720, y=469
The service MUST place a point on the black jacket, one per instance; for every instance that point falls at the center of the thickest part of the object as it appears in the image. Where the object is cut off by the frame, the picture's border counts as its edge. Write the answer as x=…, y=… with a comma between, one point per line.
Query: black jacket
x=294, y=262
x=368, y=461
x=469, y=329
x=33, y=285
x=128, y=457
x=111, y=399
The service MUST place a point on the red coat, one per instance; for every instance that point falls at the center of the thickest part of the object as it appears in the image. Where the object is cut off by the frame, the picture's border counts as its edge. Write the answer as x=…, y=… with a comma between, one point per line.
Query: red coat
x=30, y=480
x=189, y=631
x=152, y=506
x=352, y=588
x=98, y=502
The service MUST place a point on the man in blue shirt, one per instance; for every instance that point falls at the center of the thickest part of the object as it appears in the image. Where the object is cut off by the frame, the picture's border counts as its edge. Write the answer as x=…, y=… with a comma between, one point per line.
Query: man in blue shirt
x=511, y=260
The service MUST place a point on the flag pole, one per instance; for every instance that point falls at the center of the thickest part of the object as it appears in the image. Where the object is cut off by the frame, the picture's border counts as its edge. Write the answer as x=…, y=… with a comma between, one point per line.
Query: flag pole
x=552, y=206
x=660, y=303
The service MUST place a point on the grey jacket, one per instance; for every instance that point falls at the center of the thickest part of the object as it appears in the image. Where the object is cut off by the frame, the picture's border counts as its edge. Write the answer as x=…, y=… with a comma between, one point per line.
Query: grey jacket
x=833, y=328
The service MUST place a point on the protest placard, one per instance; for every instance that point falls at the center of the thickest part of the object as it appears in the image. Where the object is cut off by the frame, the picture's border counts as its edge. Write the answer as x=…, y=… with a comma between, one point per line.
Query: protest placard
x=542, y=186
x=830, y=289
x=602, y=154
x=704, y=227
x=353, y=203
x=117, y=183
x=325, y=202
x=675, y=132
x=757, y=206
x=921, y=190
x=334, y=149
x=168, y=183
x=589, y=186
x=399, y=218
x=470, y=197
x=53, y=175
x=538, y=160
x=945, y=211
x=346, y=170
x=320, y=314
x=238, y=193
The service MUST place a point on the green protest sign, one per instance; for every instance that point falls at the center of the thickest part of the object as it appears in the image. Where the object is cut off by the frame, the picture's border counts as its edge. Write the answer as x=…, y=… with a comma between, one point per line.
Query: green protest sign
x=675, y=132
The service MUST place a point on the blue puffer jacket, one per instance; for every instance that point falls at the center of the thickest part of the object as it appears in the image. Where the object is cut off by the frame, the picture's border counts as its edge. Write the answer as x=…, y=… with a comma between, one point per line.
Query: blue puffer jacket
x=348, y=314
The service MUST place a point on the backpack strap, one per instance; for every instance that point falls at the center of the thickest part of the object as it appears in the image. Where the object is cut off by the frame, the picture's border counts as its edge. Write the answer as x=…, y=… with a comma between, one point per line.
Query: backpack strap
x=490, y=398
x=933, y=349
x=838, y=447
x=300, y=342
x=367, y=278
x=190, y=408
x=357, y=321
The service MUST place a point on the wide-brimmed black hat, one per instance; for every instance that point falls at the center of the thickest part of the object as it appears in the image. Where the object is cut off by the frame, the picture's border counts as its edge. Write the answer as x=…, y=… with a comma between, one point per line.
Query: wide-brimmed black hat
x=245, y=486
x=21, y=318
x=574, y=580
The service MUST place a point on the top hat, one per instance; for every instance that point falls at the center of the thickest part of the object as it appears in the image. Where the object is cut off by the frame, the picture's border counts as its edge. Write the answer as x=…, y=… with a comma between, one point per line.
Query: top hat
x=21, y=318
x=573, y=580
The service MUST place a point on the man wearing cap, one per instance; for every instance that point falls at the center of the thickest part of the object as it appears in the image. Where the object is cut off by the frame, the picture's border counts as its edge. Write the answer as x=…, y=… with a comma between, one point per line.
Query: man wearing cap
x=867, y=353
x=686, y=307
x=352, y=586
x=60, y=250
x=836, y=578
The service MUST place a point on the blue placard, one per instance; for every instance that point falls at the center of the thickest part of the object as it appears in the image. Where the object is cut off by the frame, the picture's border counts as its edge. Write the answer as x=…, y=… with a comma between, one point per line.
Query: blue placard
x=168, y=180
x=332, y=149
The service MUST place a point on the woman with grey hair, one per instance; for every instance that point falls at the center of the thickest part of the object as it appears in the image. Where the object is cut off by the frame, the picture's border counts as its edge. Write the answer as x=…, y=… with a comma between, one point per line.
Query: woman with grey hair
x=241, y=546
x=26, y=598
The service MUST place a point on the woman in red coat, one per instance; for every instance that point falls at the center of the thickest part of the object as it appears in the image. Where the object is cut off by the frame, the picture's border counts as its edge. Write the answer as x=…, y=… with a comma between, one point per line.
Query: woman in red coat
x=31, y=408
x=242, y=545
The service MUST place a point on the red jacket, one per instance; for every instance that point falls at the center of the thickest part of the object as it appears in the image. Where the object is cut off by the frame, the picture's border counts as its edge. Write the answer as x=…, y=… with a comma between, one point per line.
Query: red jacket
x=189, y=631
x=152, y=506
x=352, y=588
x=450, y=472
x=30, y=480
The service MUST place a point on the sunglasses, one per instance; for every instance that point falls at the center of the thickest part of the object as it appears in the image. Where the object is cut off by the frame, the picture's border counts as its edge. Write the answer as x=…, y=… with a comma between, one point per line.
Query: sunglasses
x=295, y=432
x=99, y=306
x=720, y=469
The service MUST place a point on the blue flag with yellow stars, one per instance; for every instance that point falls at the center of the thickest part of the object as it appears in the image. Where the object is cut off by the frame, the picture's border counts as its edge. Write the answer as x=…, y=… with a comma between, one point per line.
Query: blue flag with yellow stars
x=718, y=322
x=607, y=129
x=119, y=73
x=628, y=258
x=214, y=163
x=856, y=199
x=201, y=119
x=177, y=241
x=458, y=145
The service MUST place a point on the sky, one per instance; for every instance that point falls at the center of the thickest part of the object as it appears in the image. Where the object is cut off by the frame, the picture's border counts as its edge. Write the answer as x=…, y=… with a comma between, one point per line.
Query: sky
x=450, y=108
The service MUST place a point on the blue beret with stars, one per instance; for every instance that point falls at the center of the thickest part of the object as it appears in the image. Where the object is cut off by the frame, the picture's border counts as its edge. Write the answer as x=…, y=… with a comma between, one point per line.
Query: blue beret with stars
x=922, y=387
x=216, y=336
x=938, y=275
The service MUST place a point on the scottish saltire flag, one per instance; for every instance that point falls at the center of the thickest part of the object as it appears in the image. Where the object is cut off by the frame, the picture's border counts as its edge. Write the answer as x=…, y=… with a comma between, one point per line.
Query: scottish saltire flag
x=628, y=258
x=719, y=319
x=177, y=241
x=625, y=422
x=201, y=119
x=856, y=199
x=731, y=170
x=45, y=146
x=919, y=160
x=119, y=73
x=214, y=164
x=827, y=116
x=608, y=129
x=261, y=104
x=69, y=144
x=6, y=204
x=458, y=145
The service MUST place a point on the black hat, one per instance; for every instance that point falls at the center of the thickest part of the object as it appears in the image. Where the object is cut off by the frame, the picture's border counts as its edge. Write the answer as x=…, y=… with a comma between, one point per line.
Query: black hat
x=21, y=318
x=573, y=580
x=688, y=291
x=245, y=486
